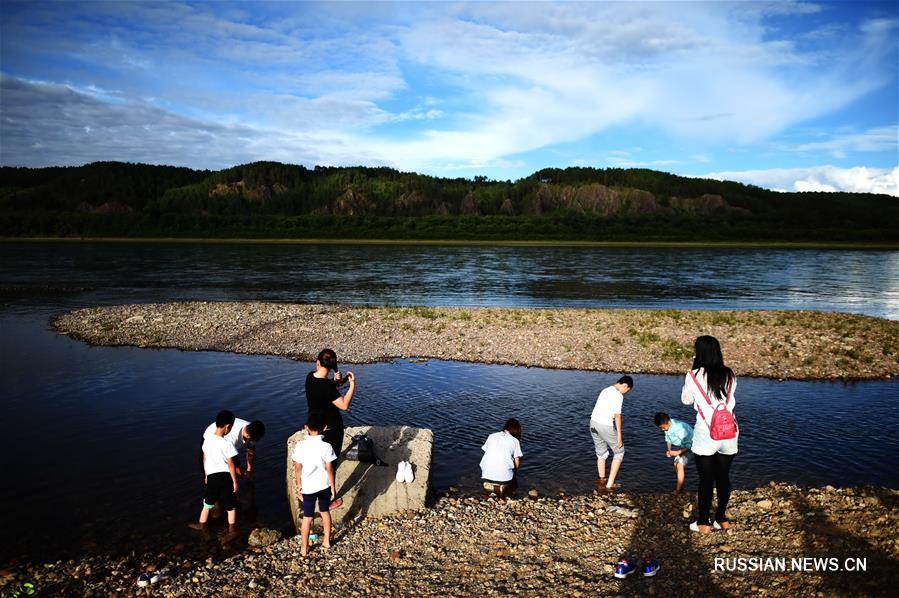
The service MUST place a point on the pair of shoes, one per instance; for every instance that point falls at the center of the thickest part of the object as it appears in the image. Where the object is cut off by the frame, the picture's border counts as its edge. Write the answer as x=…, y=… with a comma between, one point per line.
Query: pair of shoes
x=625, y=567
x=25, y=589
x=404, y=472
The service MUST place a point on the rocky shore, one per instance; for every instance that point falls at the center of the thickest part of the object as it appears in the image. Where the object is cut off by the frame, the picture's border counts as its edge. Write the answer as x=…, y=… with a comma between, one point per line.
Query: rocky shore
x=797, y=345
x=534, y=545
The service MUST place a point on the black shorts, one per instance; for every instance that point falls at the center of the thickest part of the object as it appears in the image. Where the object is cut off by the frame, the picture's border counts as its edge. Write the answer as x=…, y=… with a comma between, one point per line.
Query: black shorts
x=324, y=502
x=219, y=487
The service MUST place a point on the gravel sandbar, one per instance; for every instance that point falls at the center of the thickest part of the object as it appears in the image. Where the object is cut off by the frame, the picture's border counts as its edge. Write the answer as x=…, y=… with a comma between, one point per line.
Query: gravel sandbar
x=797, y=345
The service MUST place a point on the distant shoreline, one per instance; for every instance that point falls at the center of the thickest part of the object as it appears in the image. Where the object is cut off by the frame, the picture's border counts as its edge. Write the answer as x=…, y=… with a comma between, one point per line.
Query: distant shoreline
x=795, y=345
x=466, y=242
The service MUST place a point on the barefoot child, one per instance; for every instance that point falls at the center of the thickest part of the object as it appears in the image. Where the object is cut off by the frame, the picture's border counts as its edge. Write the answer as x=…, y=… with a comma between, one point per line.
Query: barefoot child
x=314, y=471
x=605, y=428
x=679, y=437
x=221, y=475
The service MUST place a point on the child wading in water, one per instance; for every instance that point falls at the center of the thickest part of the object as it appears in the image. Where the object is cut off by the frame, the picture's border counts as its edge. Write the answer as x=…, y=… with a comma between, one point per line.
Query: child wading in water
x=502, y=458
x=679, y=437
x=605, y=428
x=313, y=468
x=221, y=475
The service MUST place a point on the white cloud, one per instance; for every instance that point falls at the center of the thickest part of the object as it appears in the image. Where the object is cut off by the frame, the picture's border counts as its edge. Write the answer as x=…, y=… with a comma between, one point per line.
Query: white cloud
x=41, y=120
x=859, y=179
x=497, y=79
x=878, y=139
x=544, y=74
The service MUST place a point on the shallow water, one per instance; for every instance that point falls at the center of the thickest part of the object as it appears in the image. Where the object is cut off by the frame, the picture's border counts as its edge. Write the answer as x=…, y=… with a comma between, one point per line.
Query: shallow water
x=102, y=443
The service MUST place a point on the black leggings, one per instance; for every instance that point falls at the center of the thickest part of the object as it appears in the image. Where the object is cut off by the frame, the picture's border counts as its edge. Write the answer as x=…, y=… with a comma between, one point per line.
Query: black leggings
x=335, y=439
x=714, y=472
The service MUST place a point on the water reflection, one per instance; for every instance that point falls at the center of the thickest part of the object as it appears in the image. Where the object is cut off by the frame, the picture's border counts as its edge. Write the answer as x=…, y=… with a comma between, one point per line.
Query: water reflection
x=856, y=281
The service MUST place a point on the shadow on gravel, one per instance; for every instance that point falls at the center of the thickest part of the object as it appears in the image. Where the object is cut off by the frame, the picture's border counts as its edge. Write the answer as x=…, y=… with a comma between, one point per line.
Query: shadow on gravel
x=662, y=531
x=823, y=539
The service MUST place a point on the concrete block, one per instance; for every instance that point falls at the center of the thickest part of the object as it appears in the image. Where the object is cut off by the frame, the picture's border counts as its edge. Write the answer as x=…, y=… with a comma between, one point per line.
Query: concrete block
x=370, y=490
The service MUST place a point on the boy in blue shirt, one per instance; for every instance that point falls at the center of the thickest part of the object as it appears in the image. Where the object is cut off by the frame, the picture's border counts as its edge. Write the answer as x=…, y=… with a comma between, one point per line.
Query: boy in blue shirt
x=679, y=437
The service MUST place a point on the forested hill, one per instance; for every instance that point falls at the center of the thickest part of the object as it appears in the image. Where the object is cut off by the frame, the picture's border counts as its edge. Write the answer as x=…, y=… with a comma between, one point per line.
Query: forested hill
x=270, y=199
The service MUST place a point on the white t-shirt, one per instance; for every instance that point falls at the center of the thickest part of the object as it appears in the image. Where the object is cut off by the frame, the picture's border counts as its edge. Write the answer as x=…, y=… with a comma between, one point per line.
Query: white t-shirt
x=608, y=403
x=500, y=451
x=235, y=436
x=313, y=454
x=217, y=452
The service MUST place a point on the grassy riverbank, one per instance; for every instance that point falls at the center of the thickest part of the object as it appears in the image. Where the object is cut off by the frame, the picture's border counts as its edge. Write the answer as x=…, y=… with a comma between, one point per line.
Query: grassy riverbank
x=798, y=345
x=879, y=246
x=465, y=546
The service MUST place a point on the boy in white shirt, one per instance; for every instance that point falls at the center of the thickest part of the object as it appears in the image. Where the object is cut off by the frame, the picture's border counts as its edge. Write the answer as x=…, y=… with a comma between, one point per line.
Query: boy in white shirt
x=243, y=434
x=220, y=473
x=313, y=460
x=502, y=458
x=605, y=428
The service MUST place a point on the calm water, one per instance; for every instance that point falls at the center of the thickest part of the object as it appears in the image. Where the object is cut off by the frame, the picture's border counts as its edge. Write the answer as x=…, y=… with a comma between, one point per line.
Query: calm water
x=864, y=282
x=102, y=442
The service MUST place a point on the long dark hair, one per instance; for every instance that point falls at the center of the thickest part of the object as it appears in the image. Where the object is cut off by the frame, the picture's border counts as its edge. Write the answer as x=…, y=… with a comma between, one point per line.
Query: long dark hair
x=709, y=357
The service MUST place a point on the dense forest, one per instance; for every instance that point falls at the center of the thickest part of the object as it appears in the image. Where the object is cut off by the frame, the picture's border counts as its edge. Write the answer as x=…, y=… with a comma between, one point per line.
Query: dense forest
x=274, y=200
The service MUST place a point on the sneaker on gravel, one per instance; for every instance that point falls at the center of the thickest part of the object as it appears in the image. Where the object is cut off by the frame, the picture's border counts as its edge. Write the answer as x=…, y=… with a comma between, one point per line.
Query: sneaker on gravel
x=650, y=566
x=624, y=568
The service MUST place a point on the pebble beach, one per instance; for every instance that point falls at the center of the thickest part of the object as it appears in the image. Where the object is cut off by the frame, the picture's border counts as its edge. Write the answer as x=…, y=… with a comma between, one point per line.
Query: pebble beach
x=476, y=545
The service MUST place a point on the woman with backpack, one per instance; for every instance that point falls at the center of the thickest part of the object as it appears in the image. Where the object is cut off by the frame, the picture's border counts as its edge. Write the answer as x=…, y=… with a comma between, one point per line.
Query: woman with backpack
x=709, y=386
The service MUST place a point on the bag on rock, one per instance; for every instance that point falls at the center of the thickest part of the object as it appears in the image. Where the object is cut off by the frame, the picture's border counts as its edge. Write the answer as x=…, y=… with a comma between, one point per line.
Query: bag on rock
x=362, y=448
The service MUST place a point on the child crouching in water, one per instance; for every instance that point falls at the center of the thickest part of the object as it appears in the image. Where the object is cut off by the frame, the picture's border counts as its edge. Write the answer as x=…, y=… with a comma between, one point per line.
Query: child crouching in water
x=221, y=475
x=502, y=458
x=679, y=437
x=314, y=471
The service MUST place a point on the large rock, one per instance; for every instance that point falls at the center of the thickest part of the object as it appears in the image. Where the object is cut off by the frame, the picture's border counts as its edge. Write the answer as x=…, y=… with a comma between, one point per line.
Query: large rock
x=262, y=536
x=371, y=490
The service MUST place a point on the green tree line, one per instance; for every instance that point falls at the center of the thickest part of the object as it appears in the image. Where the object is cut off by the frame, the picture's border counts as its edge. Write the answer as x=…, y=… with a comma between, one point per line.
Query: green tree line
x=271, y=199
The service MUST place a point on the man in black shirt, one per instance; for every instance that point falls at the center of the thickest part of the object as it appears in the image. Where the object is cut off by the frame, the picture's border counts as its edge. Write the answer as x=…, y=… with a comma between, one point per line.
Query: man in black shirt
x=323, y=396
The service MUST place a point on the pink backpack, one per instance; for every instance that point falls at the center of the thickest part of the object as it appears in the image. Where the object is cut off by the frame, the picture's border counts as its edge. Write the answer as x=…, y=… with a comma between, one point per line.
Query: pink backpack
x=723, y=425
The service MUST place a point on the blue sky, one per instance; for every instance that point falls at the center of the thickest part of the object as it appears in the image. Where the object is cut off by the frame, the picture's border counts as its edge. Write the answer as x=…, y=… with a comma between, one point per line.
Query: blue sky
x=786, y=95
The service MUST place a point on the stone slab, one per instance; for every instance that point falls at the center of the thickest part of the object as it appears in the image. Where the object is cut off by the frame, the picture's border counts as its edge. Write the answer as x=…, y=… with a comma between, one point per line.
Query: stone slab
x=369, y=490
